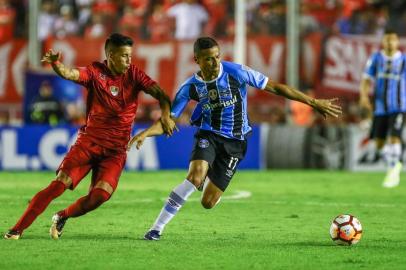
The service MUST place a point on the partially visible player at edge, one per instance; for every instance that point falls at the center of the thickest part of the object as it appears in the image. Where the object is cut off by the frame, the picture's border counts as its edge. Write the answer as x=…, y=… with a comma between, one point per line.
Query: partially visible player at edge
x=113, y=88
x=221, y=115
x=385, y=73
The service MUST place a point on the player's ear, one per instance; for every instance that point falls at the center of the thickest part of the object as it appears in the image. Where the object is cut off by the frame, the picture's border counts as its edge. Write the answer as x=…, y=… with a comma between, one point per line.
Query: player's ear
x=195, y=58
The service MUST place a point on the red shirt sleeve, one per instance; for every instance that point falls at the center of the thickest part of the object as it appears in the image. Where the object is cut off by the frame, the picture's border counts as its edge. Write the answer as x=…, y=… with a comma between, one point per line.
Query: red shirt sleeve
x=143, y=80
x=85, y=75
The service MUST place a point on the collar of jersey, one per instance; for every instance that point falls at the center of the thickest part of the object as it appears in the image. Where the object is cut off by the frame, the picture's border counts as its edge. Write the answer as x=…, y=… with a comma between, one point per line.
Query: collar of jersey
x=218, y=76
x=397, y=54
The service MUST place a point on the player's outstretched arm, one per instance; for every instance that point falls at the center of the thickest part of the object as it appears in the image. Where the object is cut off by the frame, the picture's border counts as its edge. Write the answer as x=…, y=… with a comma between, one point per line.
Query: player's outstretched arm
x=168, y=125
x=53, y=58
x=364, y=101
x=325, y=107
x=154, y=130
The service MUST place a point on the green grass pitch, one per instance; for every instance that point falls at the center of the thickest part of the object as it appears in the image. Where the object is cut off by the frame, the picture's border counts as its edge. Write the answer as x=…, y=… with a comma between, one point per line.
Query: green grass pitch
x=267, y=220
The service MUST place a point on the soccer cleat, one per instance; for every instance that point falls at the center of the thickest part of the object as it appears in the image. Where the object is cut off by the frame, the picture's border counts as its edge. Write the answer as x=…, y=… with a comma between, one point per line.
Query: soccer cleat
x=392, y=178
x=57, y=226
x=12, y=235
x=152, y=235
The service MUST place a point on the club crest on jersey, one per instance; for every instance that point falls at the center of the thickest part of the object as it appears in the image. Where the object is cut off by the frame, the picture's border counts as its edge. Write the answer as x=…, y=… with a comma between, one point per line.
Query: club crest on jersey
x=213, y=94
x=114, y=90
x=203, y=143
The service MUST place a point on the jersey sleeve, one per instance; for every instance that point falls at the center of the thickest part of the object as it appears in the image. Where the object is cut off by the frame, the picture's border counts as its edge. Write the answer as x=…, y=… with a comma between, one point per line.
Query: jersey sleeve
x=252, y=77
x=182, y=98
x=371, y=67
x=143, y=80
x=85, y=76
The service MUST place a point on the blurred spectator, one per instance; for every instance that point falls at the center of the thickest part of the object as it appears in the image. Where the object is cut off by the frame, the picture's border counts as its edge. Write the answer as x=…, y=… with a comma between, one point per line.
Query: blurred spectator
x=66, y=24
x=218, y=17
x=45, y=108
x=96, y=28
x=4, y=118
x=46, y=20
x=190, y=18
x=7, y=21
x=84, y=12
x=131, y=22
x=159, y=25
x=270, y=19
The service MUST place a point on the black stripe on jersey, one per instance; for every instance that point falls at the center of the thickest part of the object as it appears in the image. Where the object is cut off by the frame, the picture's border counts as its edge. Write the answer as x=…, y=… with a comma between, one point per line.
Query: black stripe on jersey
x=386, y=84
x=237, y=112
x=193, y=93
x=399, y=86
x=216, y=111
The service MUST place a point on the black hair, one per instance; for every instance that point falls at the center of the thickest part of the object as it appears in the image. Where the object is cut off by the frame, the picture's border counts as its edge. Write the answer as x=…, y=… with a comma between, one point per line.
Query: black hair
x=203, y=43
x=390, y=31
x=118, y=40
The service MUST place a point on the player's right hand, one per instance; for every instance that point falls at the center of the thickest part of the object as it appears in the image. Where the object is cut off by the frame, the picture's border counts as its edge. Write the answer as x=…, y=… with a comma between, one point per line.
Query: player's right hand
x=366, y=106
x=138, y=139
x=168, y=125
x=51, y=57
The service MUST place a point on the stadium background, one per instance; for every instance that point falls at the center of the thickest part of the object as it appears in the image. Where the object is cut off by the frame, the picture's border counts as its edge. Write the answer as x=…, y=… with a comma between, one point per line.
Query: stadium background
x=333, y=40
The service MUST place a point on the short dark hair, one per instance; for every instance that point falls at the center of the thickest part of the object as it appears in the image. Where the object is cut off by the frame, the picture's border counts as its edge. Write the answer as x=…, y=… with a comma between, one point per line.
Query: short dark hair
x=203, y=43
x=118, y=40
x=390, y=31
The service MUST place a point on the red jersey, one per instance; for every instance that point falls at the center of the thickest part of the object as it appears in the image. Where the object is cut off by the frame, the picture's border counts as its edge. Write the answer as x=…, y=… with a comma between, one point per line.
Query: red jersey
x=112, y=102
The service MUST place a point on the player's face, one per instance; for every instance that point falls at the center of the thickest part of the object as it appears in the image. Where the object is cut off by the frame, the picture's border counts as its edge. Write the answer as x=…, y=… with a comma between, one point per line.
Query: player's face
x=390, y=42
x=119, y=59
x=209, y=62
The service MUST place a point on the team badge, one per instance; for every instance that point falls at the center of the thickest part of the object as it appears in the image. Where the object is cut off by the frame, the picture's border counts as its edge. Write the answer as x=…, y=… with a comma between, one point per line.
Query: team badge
x=203, y=143
x=213, y=94
x=114, y=90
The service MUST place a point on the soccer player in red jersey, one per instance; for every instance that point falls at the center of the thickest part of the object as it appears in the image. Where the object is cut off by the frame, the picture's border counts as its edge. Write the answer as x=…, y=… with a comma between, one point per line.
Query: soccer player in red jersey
x=113, y=88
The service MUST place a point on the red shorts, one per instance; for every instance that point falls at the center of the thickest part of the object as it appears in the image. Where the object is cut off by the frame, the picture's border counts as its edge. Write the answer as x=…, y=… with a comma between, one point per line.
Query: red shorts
x=84, y=155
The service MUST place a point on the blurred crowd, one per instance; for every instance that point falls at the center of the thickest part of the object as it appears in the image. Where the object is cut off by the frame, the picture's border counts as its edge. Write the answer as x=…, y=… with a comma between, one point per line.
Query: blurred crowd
x=186, y=19
x=158, y=20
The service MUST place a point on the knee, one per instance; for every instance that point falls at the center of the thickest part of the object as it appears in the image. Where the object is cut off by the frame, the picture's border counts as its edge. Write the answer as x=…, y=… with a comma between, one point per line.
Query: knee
x=64, y=178
x=196, y=178
x=99, y=196
x=208, y=204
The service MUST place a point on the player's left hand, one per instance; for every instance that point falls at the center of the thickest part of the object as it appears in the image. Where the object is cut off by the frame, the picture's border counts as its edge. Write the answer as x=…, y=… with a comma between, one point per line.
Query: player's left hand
x=51, y=57
x=326, y=107
x=168, y=125
x=138, y=139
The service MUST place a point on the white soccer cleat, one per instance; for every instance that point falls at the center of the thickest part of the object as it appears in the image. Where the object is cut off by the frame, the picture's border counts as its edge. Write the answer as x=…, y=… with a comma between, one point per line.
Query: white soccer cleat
x=58, y=223
x=392, y=178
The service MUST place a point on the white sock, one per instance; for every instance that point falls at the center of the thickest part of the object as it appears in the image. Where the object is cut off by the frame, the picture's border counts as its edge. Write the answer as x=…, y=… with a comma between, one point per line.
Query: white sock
x=175, y=201
x=392, y=153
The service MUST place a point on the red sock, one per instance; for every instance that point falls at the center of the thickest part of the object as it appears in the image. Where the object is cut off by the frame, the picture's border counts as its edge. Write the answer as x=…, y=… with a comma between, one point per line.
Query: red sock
x=38, y=204
x=91, y=201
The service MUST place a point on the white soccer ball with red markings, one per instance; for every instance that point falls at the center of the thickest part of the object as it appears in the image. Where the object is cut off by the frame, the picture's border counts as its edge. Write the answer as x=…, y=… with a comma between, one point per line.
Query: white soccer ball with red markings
x=346, y=230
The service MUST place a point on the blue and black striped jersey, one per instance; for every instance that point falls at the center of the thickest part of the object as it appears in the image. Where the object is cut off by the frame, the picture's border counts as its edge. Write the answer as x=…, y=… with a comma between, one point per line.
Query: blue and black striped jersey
x=222, y=102
x=389, y=74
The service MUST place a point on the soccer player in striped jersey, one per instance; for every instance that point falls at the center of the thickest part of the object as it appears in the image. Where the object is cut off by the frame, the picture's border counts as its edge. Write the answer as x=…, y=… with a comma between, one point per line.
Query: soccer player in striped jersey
x=385, y=73
x=221, y=116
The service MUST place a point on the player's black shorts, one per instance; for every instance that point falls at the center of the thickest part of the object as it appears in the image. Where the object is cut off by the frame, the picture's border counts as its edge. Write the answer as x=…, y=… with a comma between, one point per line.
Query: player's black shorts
x=387, y=125
x=222, y=154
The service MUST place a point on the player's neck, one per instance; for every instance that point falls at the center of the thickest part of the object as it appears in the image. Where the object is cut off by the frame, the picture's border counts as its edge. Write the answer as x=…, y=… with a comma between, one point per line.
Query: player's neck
x=390, y=53
x=208, y=77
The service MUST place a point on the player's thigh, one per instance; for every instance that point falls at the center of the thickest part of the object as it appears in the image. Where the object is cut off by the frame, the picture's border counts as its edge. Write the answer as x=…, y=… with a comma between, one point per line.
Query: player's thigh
x=107, y=172
x=203, y=155
x=380, y=127
x=211, y=195
x=225, y=165
x=197, y=171
x=396, y=123
x=76, y=164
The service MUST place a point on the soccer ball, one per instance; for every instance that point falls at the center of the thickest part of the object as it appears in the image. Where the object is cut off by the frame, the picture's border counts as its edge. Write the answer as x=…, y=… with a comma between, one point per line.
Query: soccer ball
x=346, y=230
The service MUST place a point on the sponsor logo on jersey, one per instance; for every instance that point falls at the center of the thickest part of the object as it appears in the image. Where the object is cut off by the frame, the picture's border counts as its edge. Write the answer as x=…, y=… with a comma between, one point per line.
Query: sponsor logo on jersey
x=203, y=143
x=114, y=90
x=223, y=104
x=213, y=94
